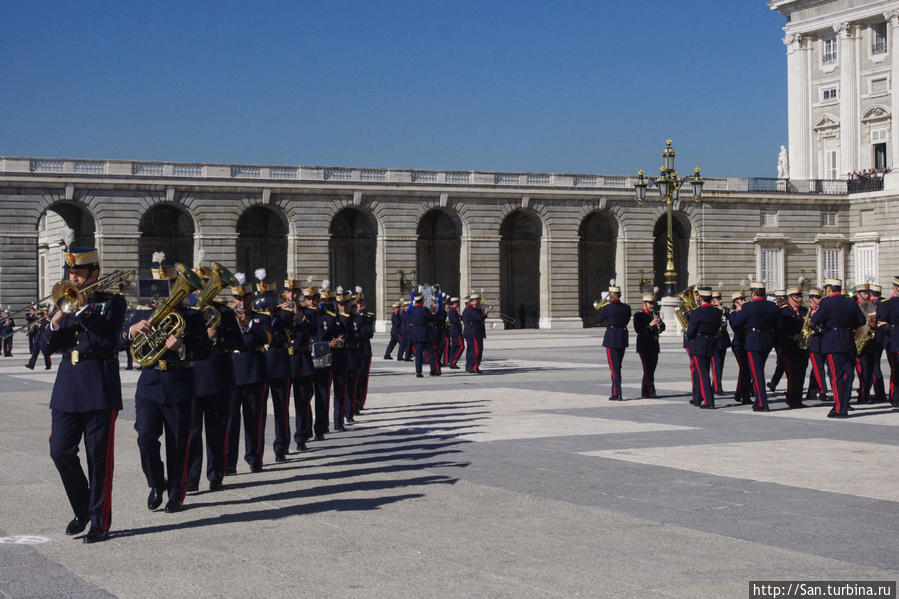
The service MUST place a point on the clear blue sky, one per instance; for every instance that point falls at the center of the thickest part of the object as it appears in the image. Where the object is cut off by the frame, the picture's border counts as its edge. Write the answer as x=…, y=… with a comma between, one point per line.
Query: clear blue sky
x=573, y=87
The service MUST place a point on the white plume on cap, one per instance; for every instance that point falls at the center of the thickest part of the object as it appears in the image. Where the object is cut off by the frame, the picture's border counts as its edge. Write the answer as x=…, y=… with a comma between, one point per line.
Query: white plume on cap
x=201, y=256
x=240, y=277
x=69, y=237
x=655, y=290
x=604, y=294
x=612, y=282
x=259, y=273
x=358, y=289
x=158, y=257
x=869, y=279
x=309, y=279
x=744, y=282
x=720, y=285
x=339, y=290
x=326, y=284
x=750, y=276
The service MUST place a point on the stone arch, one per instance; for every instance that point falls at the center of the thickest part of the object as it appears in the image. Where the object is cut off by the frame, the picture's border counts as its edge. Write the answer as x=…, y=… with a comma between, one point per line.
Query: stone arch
x=262, y=231
x=51, y=229
x=353, y=251
x=682, y=232
x=438, y=248
x=597, y=258
x=521, y=233
x=167, y=227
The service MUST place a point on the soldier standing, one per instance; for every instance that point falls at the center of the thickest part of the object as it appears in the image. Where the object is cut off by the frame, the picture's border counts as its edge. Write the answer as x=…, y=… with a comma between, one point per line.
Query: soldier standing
x=420, y=320
x=870, y=356
x=878, y=343
x=738, y=347
x=474, y=332
x=301, y=367
x=7, y=326
x=888, y=317
x=722, y=342
x=758, y=318
x=648, y=326
x=614, y=316
x=817, y=385
x=394, y=331
x=365, y=324
x=790, y=319
x=454, y=333
x=702, y=329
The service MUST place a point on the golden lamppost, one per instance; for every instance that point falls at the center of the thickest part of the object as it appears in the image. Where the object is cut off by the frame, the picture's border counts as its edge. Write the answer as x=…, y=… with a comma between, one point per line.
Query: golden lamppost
x=669, y=185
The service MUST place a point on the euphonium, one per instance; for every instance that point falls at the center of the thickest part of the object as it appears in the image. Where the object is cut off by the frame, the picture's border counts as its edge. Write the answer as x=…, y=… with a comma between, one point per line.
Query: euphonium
x=221, y=277
x=148, y=348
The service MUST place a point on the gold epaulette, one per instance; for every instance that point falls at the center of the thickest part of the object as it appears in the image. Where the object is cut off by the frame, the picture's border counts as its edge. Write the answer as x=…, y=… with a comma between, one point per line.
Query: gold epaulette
x=329, y=313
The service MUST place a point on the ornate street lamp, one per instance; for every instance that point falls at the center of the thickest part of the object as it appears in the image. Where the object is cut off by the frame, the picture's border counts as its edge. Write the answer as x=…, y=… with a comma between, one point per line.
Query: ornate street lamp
x=669, y=185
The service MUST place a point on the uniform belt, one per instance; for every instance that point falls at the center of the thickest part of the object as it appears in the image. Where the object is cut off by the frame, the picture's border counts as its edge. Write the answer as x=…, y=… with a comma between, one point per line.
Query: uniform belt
x=76, y=356
x=760, y=330
x=614, y=326
x=173, y=364
x=269, y=346
x=249, y=351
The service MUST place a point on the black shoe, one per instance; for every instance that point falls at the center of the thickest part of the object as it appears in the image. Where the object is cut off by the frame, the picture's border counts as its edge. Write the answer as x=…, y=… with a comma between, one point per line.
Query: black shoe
x=215, y=485
x=192, y=487
x=407, y=360
x=653, y=396
x=454, y=367
x=798, y=405
x=694, y=402
x=835, y=414
x=340, y=427
x=863, y=401
x=230, y=471
x=76, y=526
x=850, y=408
x=301, y=446
x=772, y=387
x=280, y=457
x=47, y=367
x=319, y=437
x=256, y=469
x=350, y=420
x=30, y=365
x=173, y=505
x=154, y=499
x=478, y=371
x=705, y=407
x=760, y=409
x=388, y=357
x=745, y=401
x=419, y=375
x=95, y=535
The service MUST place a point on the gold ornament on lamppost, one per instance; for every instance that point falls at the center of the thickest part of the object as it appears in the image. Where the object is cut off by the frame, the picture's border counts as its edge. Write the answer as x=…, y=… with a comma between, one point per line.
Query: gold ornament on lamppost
x=669, y=185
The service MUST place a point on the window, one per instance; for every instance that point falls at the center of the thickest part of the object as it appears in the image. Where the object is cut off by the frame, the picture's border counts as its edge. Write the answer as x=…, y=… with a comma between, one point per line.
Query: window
x=831, y=263
x=880, y=155
x=865, y=263
x=829, y=94
x=829, y=55
x=879, y=38
x=828, y=218
x=768, y=218
x=771, y=267
x=831, y=164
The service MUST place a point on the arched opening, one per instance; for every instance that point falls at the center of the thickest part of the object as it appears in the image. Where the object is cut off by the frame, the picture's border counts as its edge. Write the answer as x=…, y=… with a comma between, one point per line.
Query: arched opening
x=262, y=243
x=597, y=238
x=352, y=251
x=51, y=230
x=681, y=230
x=165, y=228
x=437, y=250
x=519, y=268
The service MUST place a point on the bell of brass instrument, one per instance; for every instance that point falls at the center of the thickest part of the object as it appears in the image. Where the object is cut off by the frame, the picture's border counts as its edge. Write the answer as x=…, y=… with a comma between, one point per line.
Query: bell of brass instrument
x=221, y=277
x=69, y=298
x=148, y=348
x=682, y=313
x=601, y=303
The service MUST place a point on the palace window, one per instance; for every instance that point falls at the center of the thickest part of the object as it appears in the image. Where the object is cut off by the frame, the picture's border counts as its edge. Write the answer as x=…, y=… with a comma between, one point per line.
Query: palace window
x=879, y=38
x=768, y=218
x=831, y=164
x=828, y=218
x=771, y=265
x=829, y=54
x=831, y=262
x=829, y=94
x=865, y=263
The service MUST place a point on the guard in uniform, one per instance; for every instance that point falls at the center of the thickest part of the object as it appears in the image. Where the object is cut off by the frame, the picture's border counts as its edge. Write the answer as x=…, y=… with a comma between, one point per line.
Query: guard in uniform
x=327, y=331
x=301, y=369
x=420, y=320
x=839, y=316
x=888, y=318
x=702, y=330
x=780, y=301
x=36, y=329
x=406, y=345
x=758, y=318
x=344, y=362
x=165, y=395
x=817, y=382
x=454, y=334
x=365, y=324
x=394, y=331
x=474, y=332
x=880, y=394
x=648, y=325
x=87, y=395
x=738, y=348
x=277, y=364
x=870, y=355
x=614, y=316
x=722, y=342
x=31, y=317
x=790, y=320
x=7, y=326
x=214, y=384
x=249, y=380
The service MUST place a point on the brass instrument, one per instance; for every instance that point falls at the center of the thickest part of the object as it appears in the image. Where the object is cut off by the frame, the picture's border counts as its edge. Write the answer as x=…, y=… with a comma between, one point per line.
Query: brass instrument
x=69, y=298
x=148, y=348
x=807, y=331
x=601, y=303
x=865, y=333
x=682, y=313
x=221, y=277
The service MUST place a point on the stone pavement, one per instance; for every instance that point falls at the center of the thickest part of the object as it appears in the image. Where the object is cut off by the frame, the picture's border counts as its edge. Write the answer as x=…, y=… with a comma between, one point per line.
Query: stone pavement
x=521, y=482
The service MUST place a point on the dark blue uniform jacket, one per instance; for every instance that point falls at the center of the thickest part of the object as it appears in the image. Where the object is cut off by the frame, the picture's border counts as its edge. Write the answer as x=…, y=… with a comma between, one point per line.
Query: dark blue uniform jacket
x=759, y=321
x=215, y=375
x=249, y=362
x=614, y=316
x=702, y=329
x=647, y=336
x=473, y=319
x=839, y=316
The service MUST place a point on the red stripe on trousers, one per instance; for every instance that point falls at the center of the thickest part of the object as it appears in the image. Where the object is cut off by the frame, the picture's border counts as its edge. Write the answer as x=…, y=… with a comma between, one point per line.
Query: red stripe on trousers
x=705, y=400
x=287, y=410
x=833, y=383
x=458, y=353
x=755, y=382
x=477, y=354
x=611, y=371
x=817, y=372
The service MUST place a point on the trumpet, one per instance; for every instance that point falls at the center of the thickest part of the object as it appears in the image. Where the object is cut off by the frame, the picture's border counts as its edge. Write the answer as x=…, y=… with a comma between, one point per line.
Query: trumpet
x=601, y=303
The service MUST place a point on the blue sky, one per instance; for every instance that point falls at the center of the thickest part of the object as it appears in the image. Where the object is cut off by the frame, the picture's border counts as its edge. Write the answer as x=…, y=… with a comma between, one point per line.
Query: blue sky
x=573, y=87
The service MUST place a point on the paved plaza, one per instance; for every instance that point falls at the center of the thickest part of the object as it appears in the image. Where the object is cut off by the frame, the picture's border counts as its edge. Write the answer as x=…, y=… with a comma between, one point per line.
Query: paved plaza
x=521, y=482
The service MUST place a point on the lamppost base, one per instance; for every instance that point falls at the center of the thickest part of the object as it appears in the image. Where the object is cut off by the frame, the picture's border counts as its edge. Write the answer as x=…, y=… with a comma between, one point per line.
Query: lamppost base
x=672, y=326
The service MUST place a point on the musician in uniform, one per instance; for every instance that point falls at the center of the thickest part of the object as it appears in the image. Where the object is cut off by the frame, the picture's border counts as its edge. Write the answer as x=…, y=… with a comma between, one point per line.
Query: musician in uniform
x=888, y=317
x=35, y=330
x=165, y=394
x=474, y=332
x=870, y=354
x=249, y=380
x=365, y=324
x=758, y=317
x=790, y=320
x=702, y=330
x=406, y=344
x=214, y=384
x=322, y=311
x=87, y=395
x=738, y=347
x=7, y=327
x=722, y=342
x=648, y=326
x=454, y=334
x=31, y=319
x=839, y=316
x=880, y=394
x=344, y=361
x=615, y=316
x=301, y=368
x=394, y=331
x=817, y=381
x=420, y=320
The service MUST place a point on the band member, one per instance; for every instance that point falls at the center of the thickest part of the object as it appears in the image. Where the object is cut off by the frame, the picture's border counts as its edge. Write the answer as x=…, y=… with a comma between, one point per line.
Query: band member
x=327, y=330
x=817, y=381
x=614, y=316
x=758, y=317
x=839, y=316
x=7, y=326
x=722, y=342
x=454, y=334
x=648, y=325
x=420, y=320
x=277, y=364
x=880, y=334
x=406, y=345
x=738, y=347
x=32, y=320
x=214, y=384
x=344, y=362
x=394, y=331
x=301, y=367
x=474, y=332
x=870, y=355
x=365, y=324
x=790, y=320
x=702, y=329
x=888, y=315
x=780, y=300
x=87, y=395
x=249, y=380
x=164, y=398
x=36, y=329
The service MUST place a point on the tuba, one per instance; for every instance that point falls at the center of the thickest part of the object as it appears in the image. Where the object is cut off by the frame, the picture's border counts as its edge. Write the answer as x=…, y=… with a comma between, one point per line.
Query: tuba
x=148, y=348
x=221, y=277
x=682, y=313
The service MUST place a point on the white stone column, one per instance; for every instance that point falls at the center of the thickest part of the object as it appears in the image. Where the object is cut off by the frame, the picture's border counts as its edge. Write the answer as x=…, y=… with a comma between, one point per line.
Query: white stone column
x=546, y=275
x=798, y=117
x=892, y=18
x=848, y=99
